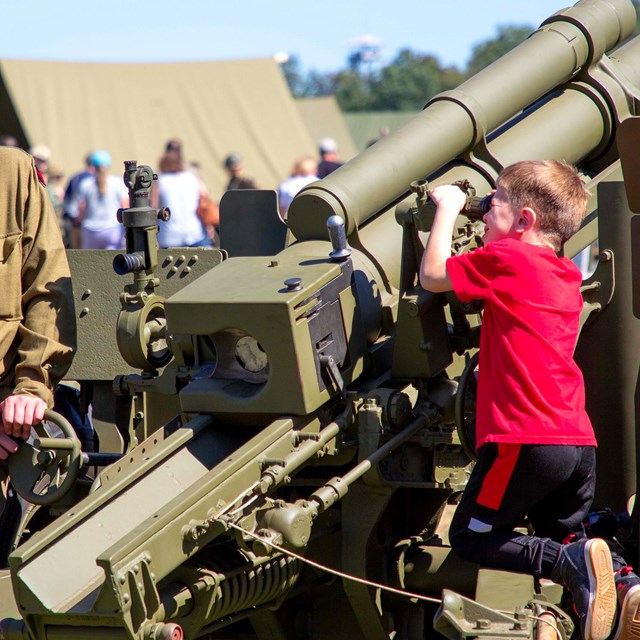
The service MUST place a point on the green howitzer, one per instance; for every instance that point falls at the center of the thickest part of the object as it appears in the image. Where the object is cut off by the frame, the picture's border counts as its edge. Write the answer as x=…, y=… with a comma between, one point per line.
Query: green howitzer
x=323, y=403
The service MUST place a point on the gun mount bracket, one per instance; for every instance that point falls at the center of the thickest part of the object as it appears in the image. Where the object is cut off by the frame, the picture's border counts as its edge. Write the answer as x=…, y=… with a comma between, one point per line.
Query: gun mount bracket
x=459, y=617
x=597, y=291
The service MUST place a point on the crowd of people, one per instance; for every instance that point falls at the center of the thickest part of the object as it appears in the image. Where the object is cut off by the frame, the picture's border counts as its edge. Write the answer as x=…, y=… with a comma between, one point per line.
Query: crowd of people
x=86, y=203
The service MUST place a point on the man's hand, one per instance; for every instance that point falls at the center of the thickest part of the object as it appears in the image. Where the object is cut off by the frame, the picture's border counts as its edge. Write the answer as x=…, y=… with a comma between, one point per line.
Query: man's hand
x=19, y=413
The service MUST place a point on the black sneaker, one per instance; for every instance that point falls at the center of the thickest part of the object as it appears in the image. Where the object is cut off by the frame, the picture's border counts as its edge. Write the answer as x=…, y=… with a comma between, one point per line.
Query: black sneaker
x=585, y=568
x=628, y=588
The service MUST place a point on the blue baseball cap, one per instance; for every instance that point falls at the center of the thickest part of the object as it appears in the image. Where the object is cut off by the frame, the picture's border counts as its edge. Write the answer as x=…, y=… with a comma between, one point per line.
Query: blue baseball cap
x=101, y=158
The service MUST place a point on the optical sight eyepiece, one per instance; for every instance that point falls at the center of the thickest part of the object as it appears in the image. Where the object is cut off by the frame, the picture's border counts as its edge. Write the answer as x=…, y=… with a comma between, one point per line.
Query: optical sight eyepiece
x=125, y=263
x=476, y=206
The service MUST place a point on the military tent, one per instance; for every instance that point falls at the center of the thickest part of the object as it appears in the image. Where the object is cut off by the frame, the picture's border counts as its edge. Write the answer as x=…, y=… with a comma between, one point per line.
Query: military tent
x=131, y=110
x=324, y=118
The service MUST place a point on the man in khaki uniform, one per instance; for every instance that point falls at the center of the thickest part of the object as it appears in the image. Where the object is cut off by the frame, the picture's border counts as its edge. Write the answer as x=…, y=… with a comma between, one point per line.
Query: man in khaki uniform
x=37, y=318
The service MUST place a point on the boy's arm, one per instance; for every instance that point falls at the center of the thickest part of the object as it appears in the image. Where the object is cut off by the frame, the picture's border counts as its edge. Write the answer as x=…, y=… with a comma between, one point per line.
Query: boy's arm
x=449, y=202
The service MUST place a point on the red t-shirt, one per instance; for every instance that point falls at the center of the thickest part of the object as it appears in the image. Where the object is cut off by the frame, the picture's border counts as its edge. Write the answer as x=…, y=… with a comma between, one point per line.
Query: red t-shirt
x=530, y=389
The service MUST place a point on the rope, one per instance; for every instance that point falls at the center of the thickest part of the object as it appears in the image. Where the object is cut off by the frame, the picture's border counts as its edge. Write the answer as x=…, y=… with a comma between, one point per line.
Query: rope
x=226, y=510
x=369, y=583
x=335, y=572
x=232, y=503
x=553, y=624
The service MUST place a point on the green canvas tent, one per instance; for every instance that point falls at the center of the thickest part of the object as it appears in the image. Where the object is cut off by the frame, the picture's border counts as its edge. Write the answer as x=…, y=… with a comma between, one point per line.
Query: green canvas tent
x=324, y=118
x=215, y=108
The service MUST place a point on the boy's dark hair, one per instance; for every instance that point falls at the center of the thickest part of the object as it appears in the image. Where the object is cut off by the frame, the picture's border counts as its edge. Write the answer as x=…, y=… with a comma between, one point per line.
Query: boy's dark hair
x=553, y=189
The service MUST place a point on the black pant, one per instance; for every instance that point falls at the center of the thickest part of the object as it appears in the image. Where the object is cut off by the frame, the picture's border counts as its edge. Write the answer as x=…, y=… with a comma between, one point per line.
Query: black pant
x=551, y=485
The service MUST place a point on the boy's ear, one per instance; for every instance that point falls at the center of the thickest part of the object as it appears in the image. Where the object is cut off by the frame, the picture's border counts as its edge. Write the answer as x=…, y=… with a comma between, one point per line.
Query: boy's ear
x=527, y=219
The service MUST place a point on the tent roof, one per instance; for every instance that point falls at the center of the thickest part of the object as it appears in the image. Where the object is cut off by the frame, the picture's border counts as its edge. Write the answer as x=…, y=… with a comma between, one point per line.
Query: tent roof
x=215, y=108
x=324, y=118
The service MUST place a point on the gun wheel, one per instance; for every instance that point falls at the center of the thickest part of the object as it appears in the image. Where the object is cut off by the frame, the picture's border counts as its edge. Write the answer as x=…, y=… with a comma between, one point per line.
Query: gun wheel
x=43, y=472
x=465, y=407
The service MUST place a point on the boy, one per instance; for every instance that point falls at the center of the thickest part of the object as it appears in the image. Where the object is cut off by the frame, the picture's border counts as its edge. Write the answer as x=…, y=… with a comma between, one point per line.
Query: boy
x=535, y=443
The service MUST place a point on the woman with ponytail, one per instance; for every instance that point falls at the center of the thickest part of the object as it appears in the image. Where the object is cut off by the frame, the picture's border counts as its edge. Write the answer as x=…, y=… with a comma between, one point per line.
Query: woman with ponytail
x=99, y=198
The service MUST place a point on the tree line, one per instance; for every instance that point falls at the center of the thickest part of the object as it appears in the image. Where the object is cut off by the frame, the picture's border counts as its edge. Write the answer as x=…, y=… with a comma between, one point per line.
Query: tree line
x=407, y=82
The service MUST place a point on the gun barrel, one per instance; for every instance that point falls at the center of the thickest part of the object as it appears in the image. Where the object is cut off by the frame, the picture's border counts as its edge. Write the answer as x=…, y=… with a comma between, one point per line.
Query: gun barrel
x=454, y=122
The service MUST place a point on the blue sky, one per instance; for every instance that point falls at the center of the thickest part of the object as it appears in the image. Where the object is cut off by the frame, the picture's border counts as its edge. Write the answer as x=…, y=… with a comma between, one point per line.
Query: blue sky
x=320, y=33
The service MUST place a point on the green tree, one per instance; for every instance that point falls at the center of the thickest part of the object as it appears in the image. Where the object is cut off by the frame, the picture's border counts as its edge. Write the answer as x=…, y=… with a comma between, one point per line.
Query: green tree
x=306, y=84
x=292, y=71
x=509, y=37
x=404, y=85
x=407, y=83
x=352, y=91
x=410, y=80
x=319, y=84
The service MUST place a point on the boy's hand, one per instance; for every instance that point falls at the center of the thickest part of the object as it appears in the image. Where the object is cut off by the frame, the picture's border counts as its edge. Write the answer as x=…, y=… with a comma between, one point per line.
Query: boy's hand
x=19, y=413
x=449, y=201
x=448, y=198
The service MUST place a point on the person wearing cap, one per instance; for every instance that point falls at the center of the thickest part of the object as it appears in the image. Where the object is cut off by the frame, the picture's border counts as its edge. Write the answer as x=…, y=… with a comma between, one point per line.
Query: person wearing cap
x=99, y=198
x=37, y=325
x=52, y=174
x=328, y=157
x=235, y=169
x=41, y=155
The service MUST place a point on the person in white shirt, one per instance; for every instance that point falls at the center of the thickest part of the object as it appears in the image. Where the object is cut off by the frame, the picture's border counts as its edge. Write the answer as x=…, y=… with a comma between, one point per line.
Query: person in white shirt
x=99, y=198
x=304, y=172
x=179, y=190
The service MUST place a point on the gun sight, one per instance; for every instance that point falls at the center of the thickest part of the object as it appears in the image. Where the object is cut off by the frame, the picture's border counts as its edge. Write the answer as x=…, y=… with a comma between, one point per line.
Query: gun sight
x=477, y=206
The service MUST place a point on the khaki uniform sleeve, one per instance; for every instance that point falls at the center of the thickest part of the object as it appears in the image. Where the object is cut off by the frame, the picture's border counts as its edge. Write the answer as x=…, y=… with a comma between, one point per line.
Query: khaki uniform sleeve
x=43, y=348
